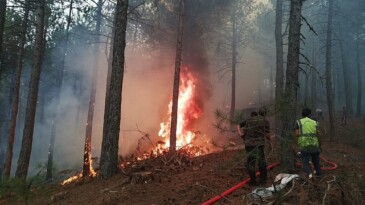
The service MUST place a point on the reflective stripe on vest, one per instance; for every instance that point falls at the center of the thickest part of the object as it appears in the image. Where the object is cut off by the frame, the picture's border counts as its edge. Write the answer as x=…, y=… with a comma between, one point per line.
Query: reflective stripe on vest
x=307, y=133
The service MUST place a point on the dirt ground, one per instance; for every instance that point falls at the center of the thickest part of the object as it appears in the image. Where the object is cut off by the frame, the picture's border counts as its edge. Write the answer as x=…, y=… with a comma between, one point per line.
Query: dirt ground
x=196, y=180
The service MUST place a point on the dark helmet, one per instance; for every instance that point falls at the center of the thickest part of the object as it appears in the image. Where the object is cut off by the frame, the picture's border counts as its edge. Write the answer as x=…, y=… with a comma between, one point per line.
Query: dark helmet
x=306, y=112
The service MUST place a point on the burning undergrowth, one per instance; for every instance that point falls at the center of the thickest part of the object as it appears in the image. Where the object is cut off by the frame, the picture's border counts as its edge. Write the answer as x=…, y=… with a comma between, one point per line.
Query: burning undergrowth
x=143, y=167
x=190, y=142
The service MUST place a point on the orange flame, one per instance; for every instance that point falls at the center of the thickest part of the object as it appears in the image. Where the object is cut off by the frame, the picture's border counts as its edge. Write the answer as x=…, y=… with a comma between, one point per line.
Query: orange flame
x=79, y=175
x=71, y=179
x=188, y=112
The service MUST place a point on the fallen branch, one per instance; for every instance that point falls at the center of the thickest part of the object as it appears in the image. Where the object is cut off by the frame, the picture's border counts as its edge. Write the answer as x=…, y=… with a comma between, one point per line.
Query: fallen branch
x=329, y=184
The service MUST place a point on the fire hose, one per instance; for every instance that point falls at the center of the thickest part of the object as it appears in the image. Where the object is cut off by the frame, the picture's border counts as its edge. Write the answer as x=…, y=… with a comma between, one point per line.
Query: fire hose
x=239, y=185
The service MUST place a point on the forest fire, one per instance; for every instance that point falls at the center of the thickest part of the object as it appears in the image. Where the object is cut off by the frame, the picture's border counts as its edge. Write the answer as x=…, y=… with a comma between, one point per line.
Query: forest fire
x=92, y=173
x=188, y=112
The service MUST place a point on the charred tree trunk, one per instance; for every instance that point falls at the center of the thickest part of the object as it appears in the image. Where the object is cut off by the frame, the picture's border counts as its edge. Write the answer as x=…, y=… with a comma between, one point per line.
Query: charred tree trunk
x=291, y=88
x=109, y=149
x=359, y=80
x=90, y=115
x=26, y=148
x=2, y=26
x=16, y=92
x=330, y=94
x=234, y=64
x=279, y=76
x=175, y=94
x=345, y=68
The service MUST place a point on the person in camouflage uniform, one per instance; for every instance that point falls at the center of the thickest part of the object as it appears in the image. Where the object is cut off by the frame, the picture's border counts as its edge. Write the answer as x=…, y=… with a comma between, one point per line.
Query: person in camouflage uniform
x=254, y=132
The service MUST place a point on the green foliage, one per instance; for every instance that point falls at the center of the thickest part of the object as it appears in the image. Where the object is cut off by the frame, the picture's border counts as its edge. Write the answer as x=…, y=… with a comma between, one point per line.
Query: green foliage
x=223, y=122
x=15, y=189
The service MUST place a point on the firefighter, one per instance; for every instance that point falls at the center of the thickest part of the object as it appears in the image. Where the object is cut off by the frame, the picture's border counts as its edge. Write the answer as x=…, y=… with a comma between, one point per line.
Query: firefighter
x=306, y=132
x=344, y=116
x=254, y=131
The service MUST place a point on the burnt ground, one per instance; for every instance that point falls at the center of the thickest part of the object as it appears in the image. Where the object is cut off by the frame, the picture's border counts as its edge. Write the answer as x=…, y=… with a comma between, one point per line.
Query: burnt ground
x=195, y=180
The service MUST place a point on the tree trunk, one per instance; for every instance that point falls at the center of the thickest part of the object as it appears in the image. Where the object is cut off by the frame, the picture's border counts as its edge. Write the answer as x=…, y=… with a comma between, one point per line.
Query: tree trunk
x=175, y=94
x=314, y=77
x=2, y=26
x=49, y=174
x=6, y=123
x=109, y=73
x=61, y=73
x=234, y=64
x=291, y=88
x=279, y=76
x=345, y=67
x=359, y=80
x=77, y=88
x=306, y=79
x=90, y=115
x=26, y=148
x=16, y=92
x=330, y=94
x=109, y=149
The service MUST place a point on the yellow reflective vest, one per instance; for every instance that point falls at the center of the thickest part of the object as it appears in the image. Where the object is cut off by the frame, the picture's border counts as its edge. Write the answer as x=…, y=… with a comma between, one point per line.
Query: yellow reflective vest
x=308, y=139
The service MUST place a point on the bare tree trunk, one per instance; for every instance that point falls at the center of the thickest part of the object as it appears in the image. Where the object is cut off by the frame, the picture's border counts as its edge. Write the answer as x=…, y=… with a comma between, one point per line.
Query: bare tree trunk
x=306, y=79
x=175, y=94
x=2, y=147
x=135, y=33
x=279, y=76
x=26, y=148
x=111, y=129
x=345, y=68
x=314, y=77
x=359, y=80
x=109, y=73
x=330, y=94
x=61, y=72
x=234, y=64
x=90, y=115
x=291, y=88
x=49, y=174
x=271, y=88
x=6, y=123
x=16, y=92
x=2, y=26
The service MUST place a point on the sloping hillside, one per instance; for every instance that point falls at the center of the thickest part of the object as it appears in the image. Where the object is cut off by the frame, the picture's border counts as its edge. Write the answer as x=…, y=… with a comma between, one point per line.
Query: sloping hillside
x=195, y=180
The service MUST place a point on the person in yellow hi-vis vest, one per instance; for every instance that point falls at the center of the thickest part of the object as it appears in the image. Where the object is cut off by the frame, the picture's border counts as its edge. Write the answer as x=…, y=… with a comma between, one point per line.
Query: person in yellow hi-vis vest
x=306, y=132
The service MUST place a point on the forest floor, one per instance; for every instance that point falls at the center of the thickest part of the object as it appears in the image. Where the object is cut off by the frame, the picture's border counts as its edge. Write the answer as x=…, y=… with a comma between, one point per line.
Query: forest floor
x=196, y=180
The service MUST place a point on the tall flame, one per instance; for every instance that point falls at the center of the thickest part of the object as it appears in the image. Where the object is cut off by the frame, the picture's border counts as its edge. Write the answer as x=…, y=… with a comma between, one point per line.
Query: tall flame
x=188, y=111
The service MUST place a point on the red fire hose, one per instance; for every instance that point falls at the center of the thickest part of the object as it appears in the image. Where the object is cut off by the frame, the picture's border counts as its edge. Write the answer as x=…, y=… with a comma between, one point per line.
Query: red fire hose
x=334, y=165
x=239, y=185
